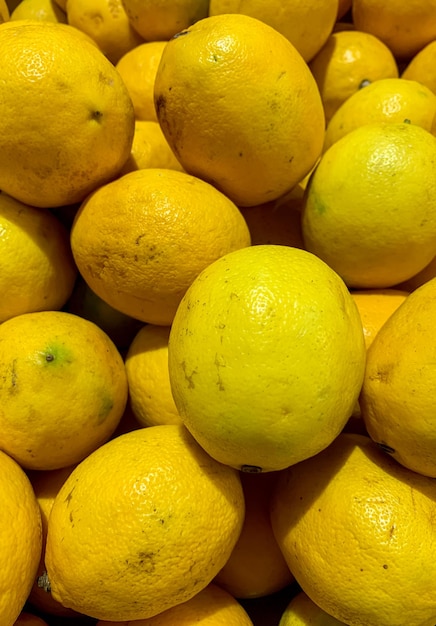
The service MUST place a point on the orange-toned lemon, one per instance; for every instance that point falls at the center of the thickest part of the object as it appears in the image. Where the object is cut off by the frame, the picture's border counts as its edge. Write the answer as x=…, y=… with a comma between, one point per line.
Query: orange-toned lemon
x=375, y=308
x=150, y=148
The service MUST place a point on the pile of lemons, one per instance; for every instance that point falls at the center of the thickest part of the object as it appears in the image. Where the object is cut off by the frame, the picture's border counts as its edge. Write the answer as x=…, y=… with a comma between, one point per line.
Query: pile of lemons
x=217, y=312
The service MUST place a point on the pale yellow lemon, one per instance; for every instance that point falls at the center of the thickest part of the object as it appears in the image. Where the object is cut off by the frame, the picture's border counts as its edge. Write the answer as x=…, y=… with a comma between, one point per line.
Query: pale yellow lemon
x=349, y=60
x=256, y=567
x=369, y=206
x=266, y=357
x=138, y=68
x=150, y=149
x=106, y=22
x=393, y=100
x=63, y=388
x=212, y=606
x=152, y=515
x=306, y=23
x=302, y=611
x=405, y=27
x=396, y=399
x=44, y=10
x=37, y=267
x=76, y=122
x=158, y=20
x=148, y=378
x=20, y=539
x=158, y=228
x=239, y=107
x=356, y=529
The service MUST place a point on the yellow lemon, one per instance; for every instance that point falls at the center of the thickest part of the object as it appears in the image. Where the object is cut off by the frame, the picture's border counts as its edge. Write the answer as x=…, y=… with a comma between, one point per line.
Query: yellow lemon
x=420, y=278
x=239, y=107
x=46, y=484
x=421, y=67
x=106, y=22
x=142, y=524
x=393, y=100
x=76, y=122
x=212, y=606
x=161, y=19
x=4, y=12
x=301, y=611
x=158, y=229
x=347, y=61
x=307, y=24
x=357, y=531
x=37, y=267
x=405, y=27
x=369, y=206
x=63, y=388
x=256, y=568
x=266, y=357
x=138, y=69
x=20, y=539
x=396, y=399
x=44, y=10
x=146, y=362
x=375, y=308
x=150, y=149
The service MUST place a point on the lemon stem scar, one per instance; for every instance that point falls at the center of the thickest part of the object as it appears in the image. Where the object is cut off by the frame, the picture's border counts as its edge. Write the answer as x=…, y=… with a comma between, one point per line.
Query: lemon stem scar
x=43, y=582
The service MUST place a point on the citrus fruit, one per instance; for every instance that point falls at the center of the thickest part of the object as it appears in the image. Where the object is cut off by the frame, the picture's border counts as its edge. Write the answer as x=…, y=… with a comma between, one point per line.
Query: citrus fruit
x=46, y=484
x=239, y=107
x=127, y=539
x=375, y=307
x=28, y=619
x=266, y=357
x=356, y=529
x=4, y=12
x=291, y=19
x=369, y=206
x=150, y=149
x=138, y=68
x=349, y=60
x=386, y=100
x=44, y=10
x=421, y=67
x=396, y=398
x=212, y=606
x=63, y=388
x=161, y=19
x=37, y=267
x=146, y=363
x=20, y=539
x=106, y=22
x=404, y=27
x=420, y=278
x=301, y=611
x=256, y=567
x=158, y=228
x=76, y=122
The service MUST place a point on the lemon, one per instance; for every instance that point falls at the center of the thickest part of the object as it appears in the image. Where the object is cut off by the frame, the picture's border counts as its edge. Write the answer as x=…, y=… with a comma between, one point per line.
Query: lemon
x=301, y=611
x=266, y=357
x=142, y=524
x=357, y=531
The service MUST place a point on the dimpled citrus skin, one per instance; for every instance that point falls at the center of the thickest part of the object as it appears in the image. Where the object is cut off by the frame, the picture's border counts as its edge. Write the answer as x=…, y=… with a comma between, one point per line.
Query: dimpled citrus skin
x=161, y=19
x=20, y=539
x=212, y=606
x=158, y=229
x=357, y=531
x=266, y=357
x=142, y=524
x=37, y=267
x=369, y=208
x=63, y=388
x=239, y=107
x=397, y=394
x=76, y=121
